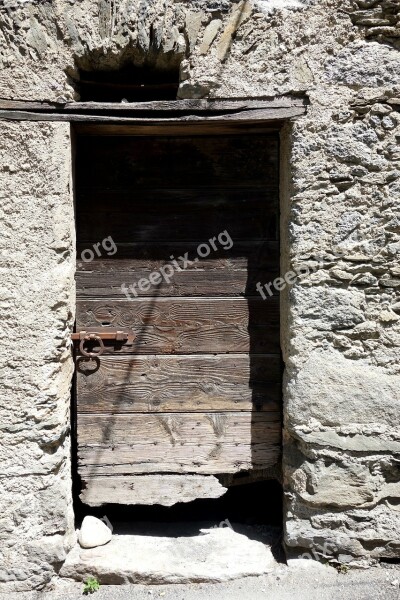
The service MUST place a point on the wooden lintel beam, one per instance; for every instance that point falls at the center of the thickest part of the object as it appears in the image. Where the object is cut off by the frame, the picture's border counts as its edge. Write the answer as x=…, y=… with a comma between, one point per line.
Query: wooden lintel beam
x=202, y=105
x=250, y=116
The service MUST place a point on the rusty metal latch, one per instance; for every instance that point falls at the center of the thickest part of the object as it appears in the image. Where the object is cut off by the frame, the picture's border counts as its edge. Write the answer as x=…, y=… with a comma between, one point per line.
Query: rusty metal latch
x=98, y=335
x=91, y=337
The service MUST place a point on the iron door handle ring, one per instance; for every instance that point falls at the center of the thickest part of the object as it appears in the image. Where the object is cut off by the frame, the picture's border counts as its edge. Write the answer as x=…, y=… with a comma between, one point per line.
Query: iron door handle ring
x=91, y=337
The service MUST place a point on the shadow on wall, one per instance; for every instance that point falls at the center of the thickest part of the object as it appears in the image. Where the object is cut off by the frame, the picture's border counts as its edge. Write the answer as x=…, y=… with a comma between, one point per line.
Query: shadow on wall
x=130, y=84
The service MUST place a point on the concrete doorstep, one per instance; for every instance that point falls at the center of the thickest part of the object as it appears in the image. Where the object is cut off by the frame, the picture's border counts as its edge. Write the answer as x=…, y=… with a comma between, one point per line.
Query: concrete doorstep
x=213, y=555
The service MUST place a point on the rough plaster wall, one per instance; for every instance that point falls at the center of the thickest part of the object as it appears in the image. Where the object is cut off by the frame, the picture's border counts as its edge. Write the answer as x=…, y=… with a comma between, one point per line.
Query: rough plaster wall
x=36, y=300
x=341, y=206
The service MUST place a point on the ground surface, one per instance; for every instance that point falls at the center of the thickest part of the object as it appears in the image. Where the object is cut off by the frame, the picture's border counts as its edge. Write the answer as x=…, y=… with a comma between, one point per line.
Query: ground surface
x=303, y=583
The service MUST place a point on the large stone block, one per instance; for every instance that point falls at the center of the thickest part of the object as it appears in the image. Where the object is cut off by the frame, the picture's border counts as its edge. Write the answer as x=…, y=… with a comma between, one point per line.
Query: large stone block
x=333, y=391
x=348, y=536
x=325, y=308
x=337, y=485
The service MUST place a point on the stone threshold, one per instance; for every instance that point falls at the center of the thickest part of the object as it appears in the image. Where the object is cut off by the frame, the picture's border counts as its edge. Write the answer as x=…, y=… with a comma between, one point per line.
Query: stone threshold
x=211, y=555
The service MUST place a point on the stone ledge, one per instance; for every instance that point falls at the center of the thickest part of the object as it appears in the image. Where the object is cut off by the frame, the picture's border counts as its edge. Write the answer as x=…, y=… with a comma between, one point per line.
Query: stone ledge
x=215, y=555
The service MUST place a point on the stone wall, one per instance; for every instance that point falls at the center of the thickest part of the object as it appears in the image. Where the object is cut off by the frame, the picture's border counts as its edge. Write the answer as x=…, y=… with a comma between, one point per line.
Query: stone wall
x=37, y=312
x=341, y=211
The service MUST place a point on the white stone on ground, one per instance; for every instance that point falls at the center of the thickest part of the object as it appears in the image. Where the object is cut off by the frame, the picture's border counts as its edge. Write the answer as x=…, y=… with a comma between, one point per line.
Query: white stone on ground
x=93, y=533
x=215, y=555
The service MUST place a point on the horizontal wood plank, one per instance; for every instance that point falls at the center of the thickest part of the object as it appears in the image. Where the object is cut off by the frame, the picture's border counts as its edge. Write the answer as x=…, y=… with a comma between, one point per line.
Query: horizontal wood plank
x=228, y=271
x=188, y=325
x=145, y=216
x=177, y=443
x=165, y=490
x=206, y=222
x=95, y=198
x=177, y=162
x=163, y=105
x=179, y=383
x=251, y=116
x=149, y=257
x=185, y=283
x=192, y=129
x=171, y=429
x=194, y=458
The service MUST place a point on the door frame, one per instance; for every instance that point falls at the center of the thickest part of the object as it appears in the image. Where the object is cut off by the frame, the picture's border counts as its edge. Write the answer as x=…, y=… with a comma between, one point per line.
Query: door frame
x=191, y=118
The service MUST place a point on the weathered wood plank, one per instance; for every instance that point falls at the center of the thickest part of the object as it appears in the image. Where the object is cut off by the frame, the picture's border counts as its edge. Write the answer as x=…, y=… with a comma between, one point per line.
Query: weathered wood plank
x=251, y=222
x=185, y=283
x=130, y=219
x=163, y=105
x=250, y=116
x=234, y=271
x=133, y=194
x=188, y=325
x=177, y=443
x=202, y=216
x=179, y=383
x=192, y=129
x=188, y=169
x=211, y=104
x=165, y=490
x=186, y=458
x=170, y=429
x=142, y=257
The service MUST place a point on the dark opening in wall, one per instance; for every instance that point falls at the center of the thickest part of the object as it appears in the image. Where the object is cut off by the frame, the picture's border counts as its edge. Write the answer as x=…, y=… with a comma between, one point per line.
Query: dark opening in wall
x=257, y=503
x=133, y=84
x=254, y=510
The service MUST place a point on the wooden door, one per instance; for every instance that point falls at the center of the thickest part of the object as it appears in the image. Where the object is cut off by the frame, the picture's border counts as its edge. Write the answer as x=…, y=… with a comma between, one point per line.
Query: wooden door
x=197, y=392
